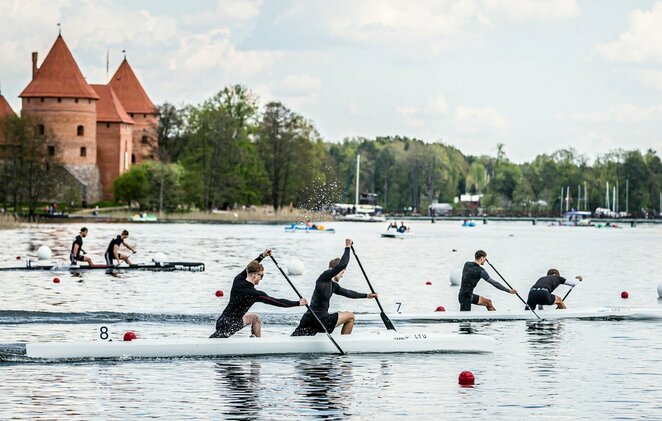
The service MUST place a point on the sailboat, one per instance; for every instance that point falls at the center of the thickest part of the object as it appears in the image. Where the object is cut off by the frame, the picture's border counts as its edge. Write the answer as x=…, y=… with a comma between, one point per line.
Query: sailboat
x=360, y=212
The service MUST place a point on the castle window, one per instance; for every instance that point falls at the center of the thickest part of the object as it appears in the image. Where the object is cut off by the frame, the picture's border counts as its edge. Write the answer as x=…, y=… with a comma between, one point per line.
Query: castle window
x=59, y=100
x=42, y=99
x=51, y=151
x=83, y=151
x=28, y=100
x=76, y=100
x=131, y=115
x=80, y=131
x=41, y=129
x=108, y=125
x=133, y=158
x=89, y=101
x=145, y=140
x=144, y=115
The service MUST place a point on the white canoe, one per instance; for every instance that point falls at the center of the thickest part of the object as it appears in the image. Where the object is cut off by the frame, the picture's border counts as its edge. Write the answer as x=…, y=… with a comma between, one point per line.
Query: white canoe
x=378, y=343
x=600, y=313
x=396, y=234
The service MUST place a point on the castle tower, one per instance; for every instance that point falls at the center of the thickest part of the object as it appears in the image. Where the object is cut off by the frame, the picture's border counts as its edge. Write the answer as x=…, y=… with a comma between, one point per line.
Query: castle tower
x=65, y=105
x=142, y=111
x=114, y=138
x=5, y=108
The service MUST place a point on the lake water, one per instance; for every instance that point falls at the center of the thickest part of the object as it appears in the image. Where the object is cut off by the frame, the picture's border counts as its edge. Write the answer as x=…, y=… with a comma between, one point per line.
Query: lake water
x=568, y=369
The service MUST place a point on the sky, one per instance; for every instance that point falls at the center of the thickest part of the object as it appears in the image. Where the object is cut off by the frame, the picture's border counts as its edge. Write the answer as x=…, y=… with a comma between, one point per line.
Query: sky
x=535, y=75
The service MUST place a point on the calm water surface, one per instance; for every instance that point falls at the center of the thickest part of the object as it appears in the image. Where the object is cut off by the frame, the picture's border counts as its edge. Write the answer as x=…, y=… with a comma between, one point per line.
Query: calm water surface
x=564, y=370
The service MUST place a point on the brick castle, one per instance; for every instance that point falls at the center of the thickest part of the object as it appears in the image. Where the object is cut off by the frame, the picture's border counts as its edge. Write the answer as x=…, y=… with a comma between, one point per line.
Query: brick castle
x=98, y=131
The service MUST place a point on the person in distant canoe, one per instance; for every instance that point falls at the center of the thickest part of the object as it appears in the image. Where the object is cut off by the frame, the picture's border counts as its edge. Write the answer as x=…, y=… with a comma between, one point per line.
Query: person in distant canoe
x=471, y=274
x=393, y=225
x=243, y=295
x=77, y=253
x=325, y=286
x=113, y=251
x=541, y=291
x=402, y=228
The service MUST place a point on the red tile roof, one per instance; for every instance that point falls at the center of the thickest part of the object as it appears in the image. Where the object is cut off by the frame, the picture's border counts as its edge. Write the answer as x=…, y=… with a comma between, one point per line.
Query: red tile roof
x=5, y=108
x=59, y=76
x=109, y=108
x=130, y=92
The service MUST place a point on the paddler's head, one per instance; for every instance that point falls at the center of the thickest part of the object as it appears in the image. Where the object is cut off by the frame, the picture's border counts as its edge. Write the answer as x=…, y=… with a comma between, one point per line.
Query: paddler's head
x=124, y=234
x=254, y=272
x=480, y=257
x=333, y=263
x=83, y=232
x=553, y=272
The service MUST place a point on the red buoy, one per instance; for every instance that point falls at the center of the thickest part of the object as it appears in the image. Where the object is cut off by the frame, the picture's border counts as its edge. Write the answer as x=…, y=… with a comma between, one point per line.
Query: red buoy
x=129, y=336
x=440, y=308
x=219, y=293
x=466, y=378
x=18, y=257
x=56, y=280
x=625, y=294
x=428, y=283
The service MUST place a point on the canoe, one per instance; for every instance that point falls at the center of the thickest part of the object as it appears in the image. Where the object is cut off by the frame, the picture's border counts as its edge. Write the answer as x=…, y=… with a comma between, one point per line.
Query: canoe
x=401, y=235
x=308, y=230
x=156, y=267
x=371, y=343
x=600, y=313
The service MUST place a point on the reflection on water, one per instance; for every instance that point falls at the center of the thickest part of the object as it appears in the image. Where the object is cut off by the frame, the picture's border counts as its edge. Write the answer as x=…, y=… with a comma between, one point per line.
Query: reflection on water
x=238, y=385
x=544, y=338
x=325, y=385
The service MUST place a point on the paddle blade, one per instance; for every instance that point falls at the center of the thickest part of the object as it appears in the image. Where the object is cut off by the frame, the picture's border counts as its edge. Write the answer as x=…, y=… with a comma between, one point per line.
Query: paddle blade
x=387, y=321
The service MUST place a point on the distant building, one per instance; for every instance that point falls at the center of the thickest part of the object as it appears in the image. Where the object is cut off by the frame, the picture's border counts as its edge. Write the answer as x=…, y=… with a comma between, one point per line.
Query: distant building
x=5, y=110
x=98, y=130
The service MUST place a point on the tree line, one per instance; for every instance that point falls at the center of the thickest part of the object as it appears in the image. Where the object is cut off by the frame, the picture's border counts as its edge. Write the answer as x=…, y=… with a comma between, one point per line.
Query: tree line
x=229, y=151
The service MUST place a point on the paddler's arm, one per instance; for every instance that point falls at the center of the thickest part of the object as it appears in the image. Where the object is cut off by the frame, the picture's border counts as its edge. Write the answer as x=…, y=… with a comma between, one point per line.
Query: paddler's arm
x=263, y=297
x=496, y=284
x=351, y=294
x=344, y=261
x=572, y=282
x=128, y=246
x=75, y=250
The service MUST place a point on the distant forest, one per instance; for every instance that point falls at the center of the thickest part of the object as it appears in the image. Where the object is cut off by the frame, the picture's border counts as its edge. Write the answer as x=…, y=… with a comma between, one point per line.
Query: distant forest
x=229, y=152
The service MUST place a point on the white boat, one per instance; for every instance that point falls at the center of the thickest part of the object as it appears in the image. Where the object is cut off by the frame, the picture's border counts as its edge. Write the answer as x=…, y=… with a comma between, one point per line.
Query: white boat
x=372, y=343
x=360, y=212
x=599, y=313
x=143, y=217
x=395, y=234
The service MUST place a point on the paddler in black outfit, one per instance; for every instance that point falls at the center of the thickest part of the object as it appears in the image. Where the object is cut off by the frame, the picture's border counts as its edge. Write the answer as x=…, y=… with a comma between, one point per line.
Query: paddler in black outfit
x=113, y=251
x=325, y=286
x=541, y=291
x=471, y=274
x=77, y=253
x=242, y=296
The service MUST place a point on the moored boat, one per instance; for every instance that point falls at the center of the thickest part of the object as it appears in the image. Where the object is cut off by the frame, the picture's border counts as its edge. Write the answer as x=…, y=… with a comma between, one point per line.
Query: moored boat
x=315, y=229
x=143, y=217
x=370, y=343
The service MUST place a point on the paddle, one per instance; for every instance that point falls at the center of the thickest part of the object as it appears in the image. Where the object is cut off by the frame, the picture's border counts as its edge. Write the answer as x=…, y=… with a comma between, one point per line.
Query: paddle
x=119, y=261
x=307, y=305
x=385, y=319
x=518, y=296
x=568, y=293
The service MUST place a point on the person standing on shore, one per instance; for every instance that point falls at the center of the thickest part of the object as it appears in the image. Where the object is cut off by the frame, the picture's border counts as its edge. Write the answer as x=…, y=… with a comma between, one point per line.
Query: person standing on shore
x=471, y=274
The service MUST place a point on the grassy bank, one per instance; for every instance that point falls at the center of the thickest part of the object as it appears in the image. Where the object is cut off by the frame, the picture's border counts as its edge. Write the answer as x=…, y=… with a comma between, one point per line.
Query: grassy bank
x=9, y=222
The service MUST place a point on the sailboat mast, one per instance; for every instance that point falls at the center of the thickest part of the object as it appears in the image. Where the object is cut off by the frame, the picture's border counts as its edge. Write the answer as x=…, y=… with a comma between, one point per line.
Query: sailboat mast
x=358, y=172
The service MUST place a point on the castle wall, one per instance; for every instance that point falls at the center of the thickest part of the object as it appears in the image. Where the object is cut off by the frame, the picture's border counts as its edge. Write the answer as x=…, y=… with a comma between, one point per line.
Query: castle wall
x=145, y=142
x=114, y=149
x=62, y=117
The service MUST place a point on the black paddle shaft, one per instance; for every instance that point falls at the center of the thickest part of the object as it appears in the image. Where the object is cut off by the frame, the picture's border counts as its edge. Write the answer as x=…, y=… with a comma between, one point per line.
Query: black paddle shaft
x=509, y=286
x=387, y=321
x=568, y=293
x=308, y=306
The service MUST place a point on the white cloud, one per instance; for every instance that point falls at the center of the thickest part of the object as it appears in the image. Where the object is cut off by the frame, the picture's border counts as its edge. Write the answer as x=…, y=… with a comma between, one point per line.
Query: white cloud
x=641, y=43
x=622, y=113
x=239, y=10
x=424, y=24
x=478, y=120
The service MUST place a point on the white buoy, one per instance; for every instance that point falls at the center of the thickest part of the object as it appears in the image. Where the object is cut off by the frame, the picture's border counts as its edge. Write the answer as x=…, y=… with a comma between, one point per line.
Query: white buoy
x=44, y=253
x=456, y=277
x=295, y=267
x=160, y=258
x=659, y=290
